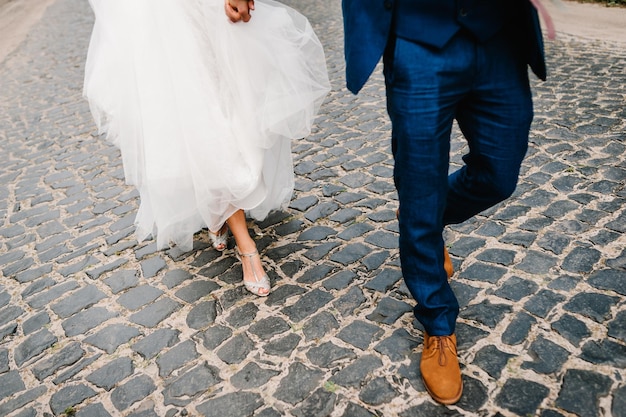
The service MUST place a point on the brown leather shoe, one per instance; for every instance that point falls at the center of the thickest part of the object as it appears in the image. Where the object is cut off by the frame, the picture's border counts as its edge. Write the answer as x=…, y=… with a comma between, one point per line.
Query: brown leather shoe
x=440, y=369
x=447, y=263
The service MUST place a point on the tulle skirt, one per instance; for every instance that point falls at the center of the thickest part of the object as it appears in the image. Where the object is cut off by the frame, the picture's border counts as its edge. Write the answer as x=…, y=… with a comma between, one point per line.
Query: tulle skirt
x=203, y=110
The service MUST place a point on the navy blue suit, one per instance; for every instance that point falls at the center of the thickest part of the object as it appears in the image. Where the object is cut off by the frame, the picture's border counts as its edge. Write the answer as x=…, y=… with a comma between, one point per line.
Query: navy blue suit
x=447, y=60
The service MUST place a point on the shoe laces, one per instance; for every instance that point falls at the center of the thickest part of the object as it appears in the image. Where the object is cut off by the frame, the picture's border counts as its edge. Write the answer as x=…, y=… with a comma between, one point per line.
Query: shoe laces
x=440, y=343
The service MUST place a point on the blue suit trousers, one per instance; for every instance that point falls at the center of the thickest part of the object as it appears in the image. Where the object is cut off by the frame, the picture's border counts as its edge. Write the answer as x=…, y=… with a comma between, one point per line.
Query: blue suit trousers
x=485, y=88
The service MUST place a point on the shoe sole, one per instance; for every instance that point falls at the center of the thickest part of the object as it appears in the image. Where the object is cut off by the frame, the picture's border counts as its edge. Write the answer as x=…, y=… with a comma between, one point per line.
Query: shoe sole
x=445, y=401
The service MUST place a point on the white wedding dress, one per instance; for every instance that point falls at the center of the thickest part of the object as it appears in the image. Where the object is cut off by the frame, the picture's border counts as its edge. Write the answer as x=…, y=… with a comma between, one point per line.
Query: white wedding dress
x=202, y=109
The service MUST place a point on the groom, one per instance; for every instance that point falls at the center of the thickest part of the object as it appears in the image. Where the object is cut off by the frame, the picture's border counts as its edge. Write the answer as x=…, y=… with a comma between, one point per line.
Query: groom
x=446, y=60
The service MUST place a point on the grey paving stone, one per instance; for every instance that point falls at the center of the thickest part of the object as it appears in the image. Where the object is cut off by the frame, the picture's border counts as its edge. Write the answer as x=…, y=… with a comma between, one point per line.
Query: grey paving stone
x=520, y=396
x=28, y=412
x=519, y=238
x=356, y=373
x=319, y=325
x=68, y=355
x=550, y=413
x=317, y=233
x=4, y=360
x=282, y=346
x=492, y=360
x=183, y=389
x=10, y=313
x=11, y=383
x=581, y=391
x=375, y=260
x=618, y=406
x=298, y=384
x=328, y=355
x=548, y=357
x=356, y=410
x=21, y=400
x=384, y=280
x=604, y=352
x=572, y=329
x=360, y=334
x=112, y=337
x=388, y=310
x=132, y=391
x=516, y=288
x=151, y=345
x=252, y=376
x=383, y=240
x=155, y=313
x=93, y=410
x=319, y=252
x=151, y=266
x=355, y=230
x=517, y=331
x=347, y=303
x=339, y=281
x=34, y=273
x=82, y=322
x=79, y=266
x=202, y=315
x=345, y=215
x=554, y=242
x=543, y=302
x=236, y=404
x=176, y=357
x=595, y=306
x=581, y=260
x=398, y=346
x=111, y=266
x=320, y=211
x=215, y=336
x=278, y=253
x=112, y=373
x=77, y=301
x=321, y=403
x=378, y=391
x=291, y=268
x=351, y=253
x=268, y=327
x=75, y=369
x=482, y=272
x=378, y=216
x=175, y=277
x=138, y=297
x=242, y=315
x=617, y=326
x=33, y=346
x=316, y=274
x=497, y=256
x=122, y=280
x=289, y=228
x=609, y=279
x=145, y=250
x=236, y=349
x=307, y=305
x=17, y=267
x=70, y=396
x=486, y=313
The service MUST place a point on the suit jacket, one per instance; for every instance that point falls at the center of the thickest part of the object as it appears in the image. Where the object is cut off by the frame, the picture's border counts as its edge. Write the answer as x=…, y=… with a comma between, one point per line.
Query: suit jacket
x=369, y=23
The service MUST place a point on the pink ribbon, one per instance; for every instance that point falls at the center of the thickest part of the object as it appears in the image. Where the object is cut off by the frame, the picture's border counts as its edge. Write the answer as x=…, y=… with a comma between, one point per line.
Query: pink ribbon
x=546, y=18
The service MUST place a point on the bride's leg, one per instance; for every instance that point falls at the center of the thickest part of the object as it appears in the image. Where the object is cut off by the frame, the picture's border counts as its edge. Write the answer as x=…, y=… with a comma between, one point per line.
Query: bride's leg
x=254, y=276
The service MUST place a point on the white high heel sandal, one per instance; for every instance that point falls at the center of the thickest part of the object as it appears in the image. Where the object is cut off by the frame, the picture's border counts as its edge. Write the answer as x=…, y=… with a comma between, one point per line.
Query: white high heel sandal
x=219, y=240
x=262, y=283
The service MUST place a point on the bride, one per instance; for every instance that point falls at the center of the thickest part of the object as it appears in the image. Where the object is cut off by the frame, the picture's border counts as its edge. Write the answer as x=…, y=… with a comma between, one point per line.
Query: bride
x=203, y=110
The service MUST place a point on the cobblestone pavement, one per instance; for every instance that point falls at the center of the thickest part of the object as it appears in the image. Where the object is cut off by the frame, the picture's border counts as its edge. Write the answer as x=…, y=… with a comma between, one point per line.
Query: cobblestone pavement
x=94, y=324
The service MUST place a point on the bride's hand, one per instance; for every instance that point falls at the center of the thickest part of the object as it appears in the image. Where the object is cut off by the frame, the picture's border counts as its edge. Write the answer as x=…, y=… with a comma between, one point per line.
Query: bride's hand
x=237, y=10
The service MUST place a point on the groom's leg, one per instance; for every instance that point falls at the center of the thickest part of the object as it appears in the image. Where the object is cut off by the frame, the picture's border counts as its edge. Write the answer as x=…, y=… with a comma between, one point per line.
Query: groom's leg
x=495, y=119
